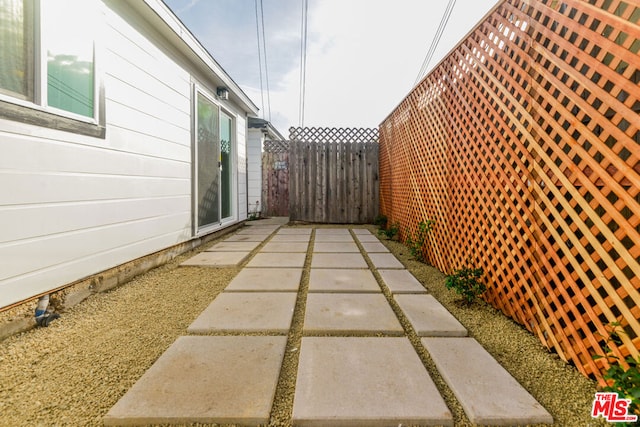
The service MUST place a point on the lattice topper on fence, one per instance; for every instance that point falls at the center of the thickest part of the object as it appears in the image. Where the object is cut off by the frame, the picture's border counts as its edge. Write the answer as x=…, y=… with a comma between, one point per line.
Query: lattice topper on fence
x=326, y=134
x=276, y=146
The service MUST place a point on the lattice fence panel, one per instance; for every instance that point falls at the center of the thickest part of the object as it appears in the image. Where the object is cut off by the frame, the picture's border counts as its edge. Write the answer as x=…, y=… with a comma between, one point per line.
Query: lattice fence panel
x=524, y=146
x=327, y=134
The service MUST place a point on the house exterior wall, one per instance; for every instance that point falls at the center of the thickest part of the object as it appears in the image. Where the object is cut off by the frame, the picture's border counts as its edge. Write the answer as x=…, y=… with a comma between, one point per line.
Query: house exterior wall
x=73, y=205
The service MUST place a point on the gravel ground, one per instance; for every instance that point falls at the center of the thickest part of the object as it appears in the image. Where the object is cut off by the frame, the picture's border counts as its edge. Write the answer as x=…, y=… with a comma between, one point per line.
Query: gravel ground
x=74, y=371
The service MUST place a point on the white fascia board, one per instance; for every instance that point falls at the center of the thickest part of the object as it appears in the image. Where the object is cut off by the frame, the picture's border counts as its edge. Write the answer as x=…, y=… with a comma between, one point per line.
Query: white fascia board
x=180, y=30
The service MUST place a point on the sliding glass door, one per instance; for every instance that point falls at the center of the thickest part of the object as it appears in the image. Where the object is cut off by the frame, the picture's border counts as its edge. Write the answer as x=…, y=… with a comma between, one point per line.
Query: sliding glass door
x=214, y=164
x=208, y=154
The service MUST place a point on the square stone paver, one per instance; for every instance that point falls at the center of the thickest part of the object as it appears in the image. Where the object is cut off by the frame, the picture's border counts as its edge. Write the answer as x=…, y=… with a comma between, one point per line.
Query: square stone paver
x=338, y=260
x=367, y=238
x=247, y=238
x=224, y=380
x=285, y=247
x=291, y=238
x=233, y=246
x=428, y=317
x=258, y=230
x=324, y=231
x=364, y=382
x=374, y=247
x=350, y=313
x=488, y=394
x=342, y=280
x=216, y=259
x=385, y=260
x=361, y=231
x=247, y=312
x=266, y=280
x=333, y=237
x=401, y=282
x=277, y=259
x=335, y=247
x=304, y=231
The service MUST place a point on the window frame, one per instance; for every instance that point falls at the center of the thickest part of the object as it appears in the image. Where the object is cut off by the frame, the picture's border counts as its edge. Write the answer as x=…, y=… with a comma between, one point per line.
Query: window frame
x=36, y=111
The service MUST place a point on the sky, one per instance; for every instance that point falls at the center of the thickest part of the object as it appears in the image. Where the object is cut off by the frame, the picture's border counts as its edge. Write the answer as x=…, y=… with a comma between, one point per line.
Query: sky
x=363, y=56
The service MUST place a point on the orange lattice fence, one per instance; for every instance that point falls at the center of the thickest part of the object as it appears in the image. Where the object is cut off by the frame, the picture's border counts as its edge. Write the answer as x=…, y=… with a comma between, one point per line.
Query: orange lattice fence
x=523, y=145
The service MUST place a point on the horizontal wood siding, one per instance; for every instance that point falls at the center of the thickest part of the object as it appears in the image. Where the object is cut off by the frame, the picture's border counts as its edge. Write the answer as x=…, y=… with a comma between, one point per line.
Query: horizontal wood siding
x=74, y=205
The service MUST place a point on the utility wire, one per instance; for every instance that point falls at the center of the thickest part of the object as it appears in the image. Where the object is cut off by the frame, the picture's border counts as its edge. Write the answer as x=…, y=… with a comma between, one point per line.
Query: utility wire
x=435, y=41
x=303, y=60
x=259, y=57
x=266, y=68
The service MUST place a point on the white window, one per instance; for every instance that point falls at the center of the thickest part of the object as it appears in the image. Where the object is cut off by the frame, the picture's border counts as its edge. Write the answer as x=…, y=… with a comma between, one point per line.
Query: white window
x=47, y=63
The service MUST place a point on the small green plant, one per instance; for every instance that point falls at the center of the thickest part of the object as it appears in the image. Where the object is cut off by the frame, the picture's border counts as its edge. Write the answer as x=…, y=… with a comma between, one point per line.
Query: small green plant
x=417, y=244
x=390, y=232
x=380, y=221
x=466, y=282
x=621, y=380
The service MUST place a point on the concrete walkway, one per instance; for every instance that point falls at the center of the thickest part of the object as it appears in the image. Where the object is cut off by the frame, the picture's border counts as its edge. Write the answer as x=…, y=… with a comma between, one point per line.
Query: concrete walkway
x=356, y=366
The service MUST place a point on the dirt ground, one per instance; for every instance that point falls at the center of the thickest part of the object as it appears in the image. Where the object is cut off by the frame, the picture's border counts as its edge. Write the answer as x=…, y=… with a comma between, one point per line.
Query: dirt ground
x=74, y=371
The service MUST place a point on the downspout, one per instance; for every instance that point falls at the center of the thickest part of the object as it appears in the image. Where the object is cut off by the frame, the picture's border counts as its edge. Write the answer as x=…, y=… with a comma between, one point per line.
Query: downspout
x=44, y=317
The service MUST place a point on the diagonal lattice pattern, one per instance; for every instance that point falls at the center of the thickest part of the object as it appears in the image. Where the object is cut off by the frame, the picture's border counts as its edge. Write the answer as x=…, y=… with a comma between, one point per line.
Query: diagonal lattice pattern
x=326, y=134
x=523, y=145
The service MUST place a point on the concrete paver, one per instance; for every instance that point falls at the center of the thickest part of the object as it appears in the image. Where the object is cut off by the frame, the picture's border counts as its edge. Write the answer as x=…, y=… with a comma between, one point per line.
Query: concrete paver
x=361, y=231
x=247, y=312
x=277, y=259
x=335, y=247
x=233, y=246
x=374, y=247
x=285, y=247
x=361, y=382
x=266, y=280
x=247, y=238
x=401, y=282
x=305, y=231
x=290, y=238
x=428, y=317
x=367, y=238
x=338, y=260
x=333, y=238
x=350, y=313
x=258, y=229
x=488, y=394
x=222, y=380
x=216, y=259
x=323, y=231
x=385, y=260
x=342, y=280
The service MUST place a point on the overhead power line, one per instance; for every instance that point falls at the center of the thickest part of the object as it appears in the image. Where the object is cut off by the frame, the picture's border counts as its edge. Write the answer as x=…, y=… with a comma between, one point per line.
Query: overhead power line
x=259, y=57
x=303, y=60
x=436, y=40
x=262, y=52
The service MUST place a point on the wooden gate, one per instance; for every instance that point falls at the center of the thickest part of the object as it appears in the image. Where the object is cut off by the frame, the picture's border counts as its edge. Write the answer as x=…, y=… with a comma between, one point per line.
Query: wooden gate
x=326, y=175
x=275, y=178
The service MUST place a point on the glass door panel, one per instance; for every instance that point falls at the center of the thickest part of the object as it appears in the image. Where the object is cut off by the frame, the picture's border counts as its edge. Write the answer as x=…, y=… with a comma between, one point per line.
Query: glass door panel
x=226, y=164
x=208, y=156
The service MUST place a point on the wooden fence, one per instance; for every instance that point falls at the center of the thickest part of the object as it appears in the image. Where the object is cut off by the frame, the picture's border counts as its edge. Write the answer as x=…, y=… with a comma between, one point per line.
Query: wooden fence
x=523, y=145
x=326, y=175
x=275, y=178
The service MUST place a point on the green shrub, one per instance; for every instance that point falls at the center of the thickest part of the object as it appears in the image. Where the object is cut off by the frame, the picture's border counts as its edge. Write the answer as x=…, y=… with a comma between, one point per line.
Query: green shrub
x=390, y=232
x=623, y=381
x=416, y=244
x=466, y=282
x=380, y=221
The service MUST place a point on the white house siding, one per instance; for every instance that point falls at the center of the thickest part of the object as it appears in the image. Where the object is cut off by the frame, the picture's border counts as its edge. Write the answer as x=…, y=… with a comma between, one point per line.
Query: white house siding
x=241, y=138
x=254, y=172
x=72, y=205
